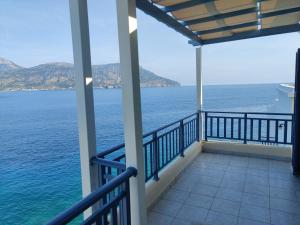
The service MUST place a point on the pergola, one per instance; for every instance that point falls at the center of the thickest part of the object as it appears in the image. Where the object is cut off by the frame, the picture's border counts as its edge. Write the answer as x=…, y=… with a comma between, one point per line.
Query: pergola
x=202, y=22
x=214, y=21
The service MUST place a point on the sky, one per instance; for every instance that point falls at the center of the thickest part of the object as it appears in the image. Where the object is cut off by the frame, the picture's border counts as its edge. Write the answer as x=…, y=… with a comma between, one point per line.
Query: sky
x=34, y=32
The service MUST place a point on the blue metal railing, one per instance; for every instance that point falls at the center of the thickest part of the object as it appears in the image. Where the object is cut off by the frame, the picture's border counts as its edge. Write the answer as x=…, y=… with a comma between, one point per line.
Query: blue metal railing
x=160, y=146
x=245, y=127
x=163, y=145
x=107, y=211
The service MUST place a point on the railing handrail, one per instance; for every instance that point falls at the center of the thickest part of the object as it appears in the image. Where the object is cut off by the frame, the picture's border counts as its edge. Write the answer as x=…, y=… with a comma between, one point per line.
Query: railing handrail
x=249, y=113
x=249, y=131
x=71, y=213
x=168, y=125
x=111, y=150
x=106, y=162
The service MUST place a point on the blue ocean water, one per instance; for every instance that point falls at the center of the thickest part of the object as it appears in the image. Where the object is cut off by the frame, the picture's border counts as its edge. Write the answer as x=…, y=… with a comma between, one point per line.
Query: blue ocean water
x=39, y=149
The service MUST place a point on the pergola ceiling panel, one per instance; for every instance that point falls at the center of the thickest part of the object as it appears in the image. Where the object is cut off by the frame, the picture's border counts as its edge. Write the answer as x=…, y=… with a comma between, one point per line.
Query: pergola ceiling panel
x=199, y=11
x=204, y=26
x=228, y=6
x=282, y=20
x=271, y=5
x=240, y=19
x=226, y=22
x=252, y=28
x=215, y=35
x=208, y=21
x=169, y=2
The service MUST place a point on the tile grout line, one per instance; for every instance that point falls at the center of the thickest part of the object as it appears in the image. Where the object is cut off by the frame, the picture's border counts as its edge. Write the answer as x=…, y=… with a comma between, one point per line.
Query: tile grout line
x=210, y=208
x=270, y=217
x=243, y=191
x=183, y=203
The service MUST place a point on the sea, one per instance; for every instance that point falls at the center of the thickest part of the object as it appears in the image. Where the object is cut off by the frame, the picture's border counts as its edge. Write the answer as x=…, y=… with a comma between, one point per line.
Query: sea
x=39, y=147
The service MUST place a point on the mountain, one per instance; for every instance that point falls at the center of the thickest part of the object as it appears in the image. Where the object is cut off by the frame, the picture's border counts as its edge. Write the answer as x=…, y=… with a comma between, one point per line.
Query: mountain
x=6, y=65
x=53, y=76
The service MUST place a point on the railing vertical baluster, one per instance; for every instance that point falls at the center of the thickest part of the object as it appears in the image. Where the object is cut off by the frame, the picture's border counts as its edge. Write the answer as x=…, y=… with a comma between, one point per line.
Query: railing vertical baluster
x=206, y=128
x=176, y=141
x=166, y=148
x=225, y=127
x=156, y=156
x=188, y=131
x=232, y=123
x=211, y=126
x=197, y=126
x=245, y=128
x=173, y=143
x=276, y=131
x=292, y=130
x=146, y=161
x=195, y=130
x=181, y=138
x=259, y=130
x=151, y=157
x=162, y=150
x=239, y=128
x=251, y=129
x=114, y=215
x=186, y=128
x=109, y=194
x=191, y=135
x=191, y=131
x=268, y=130
x=218, y=127
x=285, y=131
x=122, y=207
x=101, y=172
x=127, y=199
x=188, y=134
x=169, y=146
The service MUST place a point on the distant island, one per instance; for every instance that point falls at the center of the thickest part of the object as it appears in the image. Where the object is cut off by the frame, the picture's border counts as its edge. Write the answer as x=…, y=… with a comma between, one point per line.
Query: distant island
x=57, y=76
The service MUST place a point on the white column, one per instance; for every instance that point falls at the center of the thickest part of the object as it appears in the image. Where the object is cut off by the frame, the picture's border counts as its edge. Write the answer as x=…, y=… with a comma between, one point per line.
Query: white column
x=199, y=88
x=84, y=93
x=128, y=46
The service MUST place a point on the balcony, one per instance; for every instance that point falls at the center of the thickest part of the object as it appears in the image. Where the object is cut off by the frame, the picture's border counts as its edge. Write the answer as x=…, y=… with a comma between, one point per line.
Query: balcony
x=239, y=174
x=228, y=189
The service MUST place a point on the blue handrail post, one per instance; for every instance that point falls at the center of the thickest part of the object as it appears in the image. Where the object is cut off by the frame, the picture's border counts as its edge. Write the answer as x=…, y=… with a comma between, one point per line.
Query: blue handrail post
x=156, y=156
x=245, y=128
x=205, y=121
x=198, y=125
x=181, y=138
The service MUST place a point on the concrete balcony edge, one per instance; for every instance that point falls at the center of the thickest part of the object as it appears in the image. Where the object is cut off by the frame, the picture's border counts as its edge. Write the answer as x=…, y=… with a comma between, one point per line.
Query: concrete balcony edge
x=251, y=150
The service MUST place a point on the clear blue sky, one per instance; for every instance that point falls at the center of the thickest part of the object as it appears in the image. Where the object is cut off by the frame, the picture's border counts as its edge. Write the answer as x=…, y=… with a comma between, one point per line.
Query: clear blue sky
x=34, y=32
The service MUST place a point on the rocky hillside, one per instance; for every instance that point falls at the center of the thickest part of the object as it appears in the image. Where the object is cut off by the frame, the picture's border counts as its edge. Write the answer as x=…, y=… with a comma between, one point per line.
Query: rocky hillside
x=52, y=76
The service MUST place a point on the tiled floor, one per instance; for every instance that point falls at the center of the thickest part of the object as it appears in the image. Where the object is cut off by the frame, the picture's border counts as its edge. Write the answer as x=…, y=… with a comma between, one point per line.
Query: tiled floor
x=231, y=190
